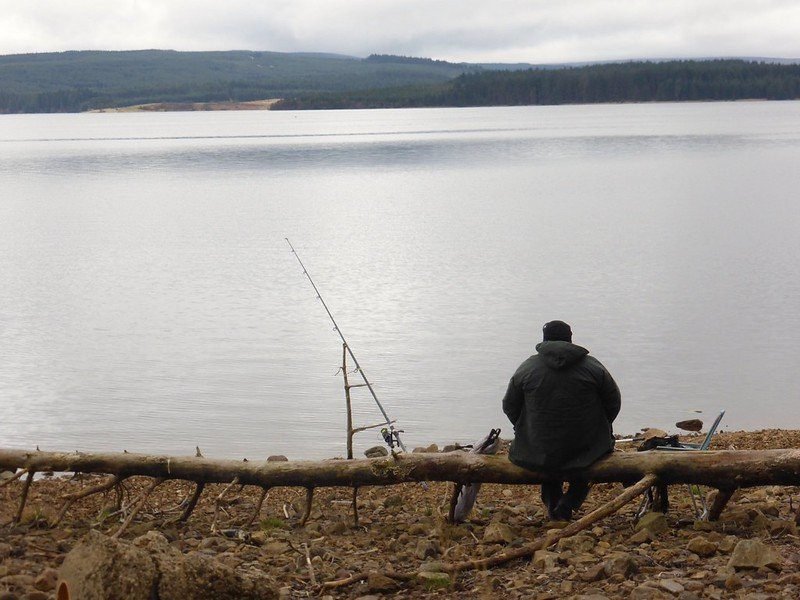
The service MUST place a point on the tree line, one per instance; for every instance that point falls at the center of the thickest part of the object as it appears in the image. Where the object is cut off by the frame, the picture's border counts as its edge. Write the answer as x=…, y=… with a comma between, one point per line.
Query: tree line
x=669, y=81
x=73, y=82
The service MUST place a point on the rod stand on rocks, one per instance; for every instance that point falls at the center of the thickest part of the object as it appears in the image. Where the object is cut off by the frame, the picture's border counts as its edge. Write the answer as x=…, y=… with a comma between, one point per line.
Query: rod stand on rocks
x=351, y=431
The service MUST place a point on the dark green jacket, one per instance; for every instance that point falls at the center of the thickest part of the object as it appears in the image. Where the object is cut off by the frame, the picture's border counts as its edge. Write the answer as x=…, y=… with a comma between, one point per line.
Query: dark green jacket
x=562, y=403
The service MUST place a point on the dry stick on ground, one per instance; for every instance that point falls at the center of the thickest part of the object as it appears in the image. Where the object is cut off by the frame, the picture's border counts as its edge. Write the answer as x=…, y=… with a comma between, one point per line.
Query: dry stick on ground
x=25, y=489
x=719, y=503
x=218, y=503
x=309, y=501
x=528, y=549
x=311, y=575
x=70, y=499
x=355, y=506
x=259, y=504
x=139, y=504
x=198, y=490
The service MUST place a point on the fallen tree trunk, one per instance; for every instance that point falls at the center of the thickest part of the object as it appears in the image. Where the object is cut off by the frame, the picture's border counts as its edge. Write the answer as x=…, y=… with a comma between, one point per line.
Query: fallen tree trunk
x=725, y=469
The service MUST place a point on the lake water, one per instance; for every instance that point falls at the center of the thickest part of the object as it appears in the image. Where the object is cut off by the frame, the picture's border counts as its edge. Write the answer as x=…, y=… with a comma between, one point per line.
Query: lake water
x=149, y=302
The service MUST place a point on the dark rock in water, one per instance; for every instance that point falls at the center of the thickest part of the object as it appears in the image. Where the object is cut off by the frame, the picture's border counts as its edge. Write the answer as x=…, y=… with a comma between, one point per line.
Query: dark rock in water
x=277, y=458
x=376, y=452
x=690, y=425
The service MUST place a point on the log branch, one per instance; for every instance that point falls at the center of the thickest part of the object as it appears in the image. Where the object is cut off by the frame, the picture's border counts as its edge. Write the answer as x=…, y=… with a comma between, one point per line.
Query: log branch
x=70, y=499
x=198, y=491
x=13, y=478
x=24, y=498
x=720, y=501
x=218, y=503
x=259, y=504
x=139, y=505
x=309, y=502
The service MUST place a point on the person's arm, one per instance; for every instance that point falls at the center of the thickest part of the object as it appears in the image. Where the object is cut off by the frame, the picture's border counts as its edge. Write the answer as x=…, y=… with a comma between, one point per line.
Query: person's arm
x=513, y=401
x=610, y=396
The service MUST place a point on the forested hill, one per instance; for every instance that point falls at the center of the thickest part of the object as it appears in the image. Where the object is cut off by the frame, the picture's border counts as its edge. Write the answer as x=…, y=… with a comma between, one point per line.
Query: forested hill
x=77, y=81
x=669, y=81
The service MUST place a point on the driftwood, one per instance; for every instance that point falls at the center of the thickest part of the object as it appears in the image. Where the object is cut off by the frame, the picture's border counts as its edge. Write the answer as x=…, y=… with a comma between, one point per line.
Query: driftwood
x=726, y=469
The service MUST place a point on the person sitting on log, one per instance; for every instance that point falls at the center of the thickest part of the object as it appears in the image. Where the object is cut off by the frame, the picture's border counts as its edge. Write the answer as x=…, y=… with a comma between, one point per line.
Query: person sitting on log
x=562, y=403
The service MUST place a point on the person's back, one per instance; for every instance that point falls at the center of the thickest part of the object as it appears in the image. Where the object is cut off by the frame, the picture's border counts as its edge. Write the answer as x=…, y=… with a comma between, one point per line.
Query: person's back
x=561, y=402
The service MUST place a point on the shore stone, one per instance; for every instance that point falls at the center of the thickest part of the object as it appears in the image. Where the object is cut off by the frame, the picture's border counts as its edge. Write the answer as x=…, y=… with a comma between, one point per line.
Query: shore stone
x=426, y=549
x=432, y=566
x=277, y=458
x=594, y=573
x=702, y=547
x=377, y=452
x=46, y=580
x=646, y=592
x=498, y=533
x=780, y=527
x=752, y=554
x=544, y=560
x=5, y=550
x=434, y=580
x=577, y=543
x=642, y=537
x=20, y=580
x=655, y=522
x=672, y=586
x=733, y=582
x=652, y=432
x=620, y=564
x=690, y=425
x=378, y=582
x=727, y=544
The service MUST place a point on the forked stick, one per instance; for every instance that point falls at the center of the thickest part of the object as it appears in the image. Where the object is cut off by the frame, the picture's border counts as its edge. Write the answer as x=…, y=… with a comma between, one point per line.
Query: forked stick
x=218, y=503
x=70, y=499
x=155, y=483
x=259, y=504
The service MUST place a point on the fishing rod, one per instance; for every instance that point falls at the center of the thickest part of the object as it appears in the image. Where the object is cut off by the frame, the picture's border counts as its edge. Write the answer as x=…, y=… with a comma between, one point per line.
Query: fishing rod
x=390, y=435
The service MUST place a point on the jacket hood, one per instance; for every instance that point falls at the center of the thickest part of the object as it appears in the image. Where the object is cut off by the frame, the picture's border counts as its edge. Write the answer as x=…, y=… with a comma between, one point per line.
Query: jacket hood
x=559, y=355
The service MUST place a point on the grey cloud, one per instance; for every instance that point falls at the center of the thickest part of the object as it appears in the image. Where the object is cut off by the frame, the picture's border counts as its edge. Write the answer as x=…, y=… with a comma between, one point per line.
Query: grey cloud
x=508, y=30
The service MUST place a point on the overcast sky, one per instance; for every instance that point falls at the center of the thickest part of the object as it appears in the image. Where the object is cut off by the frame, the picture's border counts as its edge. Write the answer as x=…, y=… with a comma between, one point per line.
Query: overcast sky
x=535, y=31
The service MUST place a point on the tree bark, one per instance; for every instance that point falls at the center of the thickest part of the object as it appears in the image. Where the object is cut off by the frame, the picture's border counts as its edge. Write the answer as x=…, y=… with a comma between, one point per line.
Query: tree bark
x=720, y=469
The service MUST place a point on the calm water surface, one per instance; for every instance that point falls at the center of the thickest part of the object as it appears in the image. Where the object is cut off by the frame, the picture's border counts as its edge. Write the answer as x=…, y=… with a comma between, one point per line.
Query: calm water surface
x=148, y=300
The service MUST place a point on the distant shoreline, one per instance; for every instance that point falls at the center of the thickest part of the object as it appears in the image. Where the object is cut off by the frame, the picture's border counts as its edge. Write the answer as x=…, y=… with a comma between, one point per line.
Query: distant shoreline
x=190, y=106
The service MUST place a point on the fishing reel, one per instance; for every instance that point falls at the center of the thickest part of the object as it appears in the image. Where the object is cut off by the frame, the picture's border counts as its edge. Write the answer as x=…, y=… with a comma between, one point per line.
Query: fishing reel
x=391, y=436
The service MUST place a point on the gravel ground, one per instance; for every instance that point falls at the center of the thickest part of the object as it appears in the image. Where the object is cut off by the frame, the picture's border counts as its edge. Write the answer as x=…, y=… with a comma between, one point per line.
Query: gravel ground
x=403, y=528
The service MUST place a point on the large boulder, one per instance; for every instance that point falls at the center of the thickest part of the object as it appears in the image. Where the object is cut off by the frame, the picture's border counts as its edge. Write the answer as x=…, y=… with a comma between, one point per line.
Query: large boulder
x=752, y=554
x=102, y=568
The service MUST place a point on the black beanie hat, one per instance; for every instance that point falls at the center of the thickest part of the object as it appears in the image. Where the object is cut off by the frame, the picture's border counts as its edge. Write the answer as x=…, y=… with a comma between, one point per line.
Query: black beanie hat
x=557, y=331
